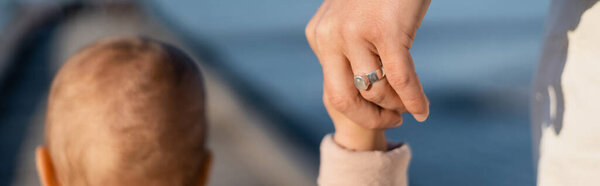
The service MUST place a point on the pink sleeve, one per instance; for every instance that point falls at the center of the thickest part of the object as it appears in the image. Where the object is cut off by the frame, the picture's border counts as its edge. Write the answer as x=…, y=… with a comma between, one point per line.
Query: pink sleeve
x=344, y=167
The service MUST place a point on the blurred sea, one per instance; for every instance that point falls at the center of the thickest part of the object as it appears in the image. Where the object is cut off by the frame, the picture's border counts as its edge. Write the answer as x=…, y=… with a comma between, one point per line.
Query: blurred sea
x=5, y=15
x=475, y=60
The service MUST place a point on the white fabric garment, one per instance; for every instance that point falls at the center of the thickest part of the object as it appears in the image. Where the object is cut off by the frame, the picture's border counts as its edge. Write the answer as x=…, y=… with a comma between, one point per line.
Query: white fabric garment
x=566, y=96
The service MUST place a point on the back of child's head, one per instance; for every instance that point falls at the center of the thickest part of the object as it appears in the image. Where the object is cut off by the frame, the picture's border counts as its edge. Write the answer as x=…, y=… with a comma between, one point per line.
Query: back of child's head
x=127, y=111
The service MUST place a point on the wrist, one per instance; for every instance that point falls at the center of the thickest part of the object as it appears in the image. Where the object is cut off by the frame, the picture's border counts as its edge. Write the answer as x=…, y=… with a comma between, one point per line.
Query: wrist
x=361, y=139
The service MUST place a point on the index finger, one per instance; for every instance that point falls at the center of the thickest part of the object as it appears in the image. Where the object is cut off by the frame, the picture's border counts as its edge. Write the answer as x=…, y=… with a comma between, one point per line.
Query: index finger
x=400, y=71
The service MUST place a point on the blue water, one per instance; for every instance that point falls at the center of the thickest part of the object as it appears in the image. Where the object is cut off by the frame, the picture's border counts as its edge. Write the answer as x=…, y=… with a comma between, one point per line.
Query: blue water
x=475, y=60
x=6, y=11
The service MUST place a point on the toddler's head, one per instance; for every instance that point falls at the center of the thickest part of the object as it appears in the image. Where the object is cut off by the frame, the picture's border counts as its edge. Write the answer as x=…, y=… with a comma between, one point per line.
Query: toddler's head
x=125, y=111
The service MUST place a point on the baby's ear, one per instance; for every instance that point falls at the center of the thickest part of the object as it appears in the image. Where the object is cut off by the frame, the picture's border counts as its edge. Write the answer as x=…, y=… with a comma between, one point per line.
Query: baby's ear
x=45, y=167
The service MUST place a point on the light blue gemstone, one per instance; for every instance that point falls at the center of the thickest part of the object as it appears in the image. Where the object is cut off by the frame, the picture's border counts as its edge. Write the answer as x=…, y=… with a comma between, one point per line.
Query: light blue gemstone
x=360, y=83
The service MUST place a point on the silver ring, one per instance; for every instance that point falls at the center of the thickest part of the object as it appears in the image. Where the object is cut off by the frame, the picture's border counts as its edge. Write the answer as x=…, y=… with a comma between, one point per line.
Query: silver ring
x=363, y=82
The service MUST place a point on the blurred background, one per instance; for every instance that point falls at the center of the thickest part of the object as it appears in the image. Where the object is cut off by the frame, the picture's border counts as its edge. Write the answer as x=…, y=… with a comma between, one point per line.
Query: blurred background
x=475, y=60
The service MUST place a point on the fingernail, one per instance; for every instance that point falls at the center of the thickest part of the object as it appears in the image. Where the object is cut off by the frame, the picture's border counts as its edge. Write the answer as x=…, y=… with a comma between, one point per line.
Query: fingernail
x=421, y=117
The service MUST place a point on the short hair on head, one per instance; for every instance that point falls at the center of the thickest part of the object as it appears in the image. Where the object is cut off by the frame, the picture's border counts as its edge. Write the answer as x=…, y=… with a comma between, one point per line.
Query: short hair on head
x=127, y=111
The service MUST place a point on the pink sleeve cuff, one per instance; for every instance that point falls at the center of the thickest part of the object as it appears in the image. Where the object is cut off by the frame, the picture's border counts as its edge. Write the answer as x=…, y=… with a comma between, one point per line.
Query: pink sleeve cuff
x=340, y=166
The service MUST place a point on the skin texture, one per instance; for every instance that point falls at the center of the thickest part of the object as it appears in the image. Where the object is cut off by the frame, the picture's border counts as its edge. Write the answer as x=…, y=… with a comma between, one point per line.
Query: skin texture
x=350, y=37
x=125, y=111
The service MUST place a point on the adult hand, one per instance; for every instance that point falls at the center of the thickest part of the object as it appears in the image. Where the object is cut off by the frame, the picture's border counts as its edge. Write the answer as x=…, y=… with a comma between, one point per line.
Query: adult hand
x=349, y=37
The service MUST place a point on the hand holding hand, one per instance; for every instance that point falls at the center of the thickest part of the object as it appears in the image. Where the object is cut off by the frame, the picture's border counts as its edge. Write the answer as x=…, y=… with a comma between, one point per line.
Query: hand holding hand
x=350, y=37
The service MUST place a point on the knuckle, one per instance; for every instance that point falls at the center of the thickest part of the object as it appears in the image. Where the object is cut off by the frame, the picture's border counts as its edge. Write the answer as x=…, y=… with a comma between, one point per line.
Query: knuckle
x=399, y=81
x=325, y=30
x=351, y=29
x=360, y=30
x=372, y=32
x=309, y=31
x=406, y=39
x=340, y=102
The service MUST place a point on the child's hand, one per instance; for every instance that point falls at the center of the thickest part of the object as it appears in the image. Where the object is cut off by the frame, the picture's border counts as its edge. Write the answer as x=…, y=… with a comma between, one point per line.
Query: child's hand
x=353, y=136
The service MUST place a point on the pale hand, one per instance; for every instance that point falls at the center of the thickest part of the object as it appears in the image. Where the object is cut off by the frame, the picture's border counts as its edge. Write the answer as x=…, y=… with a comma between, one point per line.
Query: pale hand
x=349, y=37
